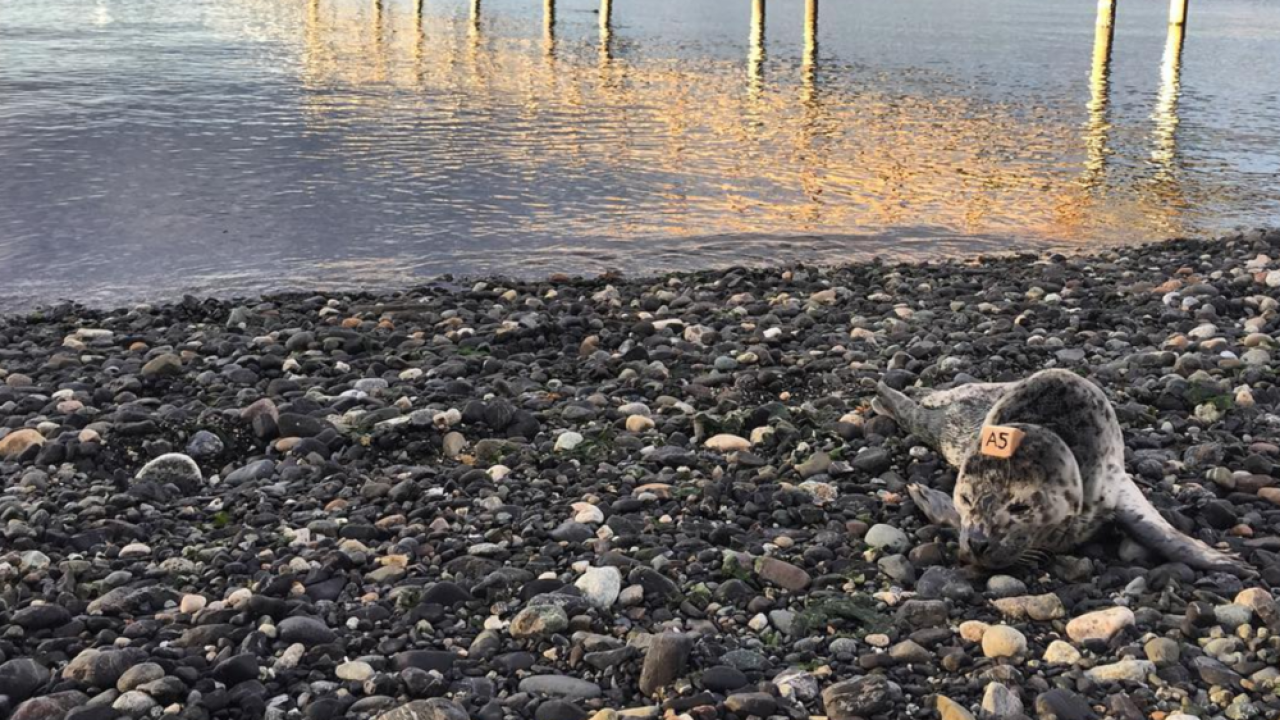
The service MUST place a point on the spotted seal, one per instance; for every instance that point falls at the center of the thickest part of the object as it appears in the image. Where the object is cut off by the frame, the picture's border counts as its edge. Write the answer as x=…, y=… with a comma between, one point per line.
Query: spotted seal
x=1064, y=481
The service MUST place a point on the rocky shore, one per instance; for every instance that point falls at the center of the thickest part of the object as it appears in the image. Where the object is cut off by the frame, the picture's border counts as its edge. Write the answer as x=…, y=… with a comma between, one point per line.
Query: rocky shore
x=613, y=498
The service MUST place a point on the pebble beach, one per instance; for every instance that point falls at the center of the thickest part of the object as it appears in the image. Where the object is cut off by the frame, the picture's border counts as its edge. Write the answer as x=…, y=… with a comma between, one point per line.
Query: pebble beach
x=609, y=497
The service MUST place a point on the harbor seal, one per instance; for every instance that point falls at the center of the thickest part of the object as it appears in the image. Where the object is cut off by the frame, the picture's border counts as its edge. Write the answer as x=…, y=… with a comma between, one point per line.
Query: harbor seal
x=1061, y=484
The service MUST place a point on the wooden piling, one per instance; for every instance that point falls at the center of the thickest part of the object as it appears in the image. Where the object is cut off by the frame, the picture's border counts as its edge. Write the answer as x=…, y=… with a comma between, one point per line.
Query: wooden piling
x=1098, y=129
x=1165, y=149
x=1178, y=12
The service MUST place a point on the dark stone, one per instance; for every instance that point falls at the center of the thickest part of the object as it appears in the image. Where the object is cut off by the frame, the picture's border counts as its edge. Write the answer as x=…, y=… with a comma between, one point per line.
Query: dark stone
x=656, y=585
x=298, y=425
x=445, y=593
x=306, y=630
x=50, y=707
x=439, y=660
x=664, y=661
x=859, y=698
x=101, y=669
x=1059, y=704
x=560, y=710
x=21, y=677
x=917, y=614
x=756, y=704
x=237, y=669
x=723, y=678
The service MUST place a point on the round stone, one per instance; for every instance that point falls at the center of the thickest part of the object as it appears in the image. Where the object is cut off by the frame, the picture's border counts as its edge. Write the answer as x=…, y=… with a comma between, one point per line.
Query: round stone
x=1002, y=641
x=887, y=538
x=354, y=671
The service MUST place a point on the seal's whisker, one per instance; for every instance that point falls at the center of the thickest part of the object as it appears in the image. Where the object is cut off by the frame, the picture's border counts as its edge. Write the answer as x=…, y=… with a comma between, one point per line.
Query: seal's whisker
x=1031, y=559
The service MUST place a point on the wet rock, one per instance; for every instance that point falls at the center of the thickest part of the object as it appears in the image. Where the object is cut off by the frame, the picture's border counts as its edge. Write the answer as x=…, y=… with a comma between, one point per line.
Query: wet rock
x=860, y=697
x=433, y=709
x=41, y=617
x=756, y=704
x=798, y=684
x=50, y=707
x=205, y=444
x=101, y=668
x=1162, y=651
x=664, y=661
x=21, y=677
x=723, y=678
x=306, y=631
x=237, y=669
x=782, y=574
x=917, y=614
x=1000, y=702
x=173, y=469
x=166, y=365
x=1059, y=704
x=560, y=686
x=539, y=621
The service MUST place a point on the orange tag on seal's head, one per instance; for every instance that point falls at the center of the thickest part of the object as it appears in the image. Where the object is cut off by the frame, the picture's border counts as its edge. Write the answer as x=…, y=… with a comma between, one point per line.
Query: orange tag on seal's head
x=1001, y=442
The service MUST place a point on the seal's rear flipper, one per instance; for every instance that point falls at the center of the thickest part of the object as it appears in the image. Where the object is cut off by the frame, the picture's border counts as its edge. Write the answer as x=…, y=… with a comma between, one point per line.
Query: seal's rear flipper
x=891, y=403
x=936, y=506
x=1137, y=515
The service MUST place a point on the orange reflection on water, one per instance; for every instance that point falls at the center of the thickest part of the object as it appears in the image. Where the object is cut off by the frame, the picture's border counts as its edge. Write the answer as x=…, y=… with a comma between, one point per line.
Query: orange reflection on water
x=794, y=152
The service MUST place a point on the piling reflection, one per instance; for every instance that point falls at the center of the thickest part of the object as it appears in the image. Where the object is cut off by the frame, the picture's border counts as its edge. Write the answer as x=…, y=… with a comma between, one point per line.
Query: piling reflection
x=755, y=52
x=799, y=151
x=606, y=31
x=1166, y=112
x=1167, y=187
x=549, y=29
x=809, y=63
x=1098, y=128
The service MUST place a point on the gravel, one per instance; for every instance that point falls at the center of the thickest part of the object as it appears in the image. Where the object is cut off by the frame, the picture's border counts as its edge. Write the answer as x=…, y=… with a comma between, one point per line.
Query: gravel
x=574, y=498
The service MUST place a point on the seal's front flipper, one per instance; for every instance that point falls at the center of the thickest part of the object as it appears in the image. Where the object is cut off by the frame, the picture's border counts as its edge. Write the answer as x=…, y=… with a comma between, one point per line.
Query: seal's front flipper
x=936, y=506
x=1140, y=518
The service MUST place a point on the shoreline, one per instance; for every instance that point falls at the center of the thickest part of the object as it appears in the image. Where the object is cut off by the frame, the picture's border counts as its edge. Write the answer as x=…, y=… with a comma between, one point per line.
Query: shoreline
x=499, y=501
x=808, y=250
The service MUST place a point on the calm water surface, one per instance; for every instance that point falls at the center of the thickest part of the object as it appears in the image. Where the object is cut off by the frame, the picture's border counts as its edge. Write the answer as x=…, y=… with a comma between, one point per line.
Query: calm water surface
x=151, y=147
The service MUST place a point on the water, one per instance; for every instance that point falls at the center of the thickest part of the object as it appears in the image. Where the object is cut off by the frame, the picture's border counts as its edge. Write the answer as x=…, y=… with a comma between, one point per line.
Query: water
x=151, y=147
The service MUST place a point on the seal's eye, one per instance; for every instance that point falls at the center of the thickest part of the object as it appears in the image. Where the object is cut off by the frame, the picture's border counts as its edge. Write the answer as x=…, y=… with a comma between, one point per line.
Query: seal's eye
x=1019, y=508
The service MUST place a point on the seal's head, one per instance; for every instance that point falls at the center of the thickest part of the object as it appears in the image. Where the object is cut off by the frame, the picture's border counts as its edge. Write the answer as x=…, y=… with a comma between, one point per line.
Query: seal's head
x=1012, y=506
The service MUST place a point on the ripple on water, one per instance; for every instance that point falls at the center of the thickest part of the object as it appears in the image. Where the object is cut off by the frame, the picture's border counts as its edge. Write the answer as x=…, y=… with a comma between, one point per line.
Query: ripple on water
x=234, y=146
